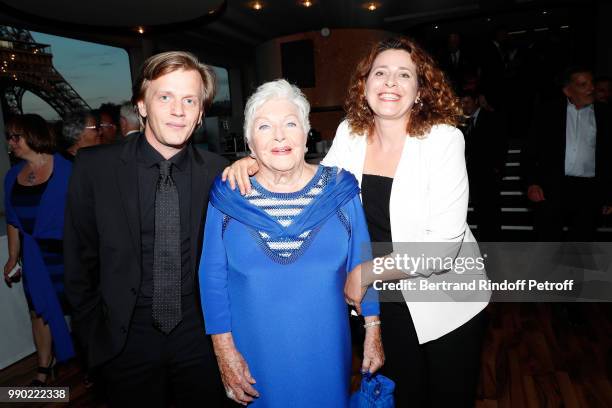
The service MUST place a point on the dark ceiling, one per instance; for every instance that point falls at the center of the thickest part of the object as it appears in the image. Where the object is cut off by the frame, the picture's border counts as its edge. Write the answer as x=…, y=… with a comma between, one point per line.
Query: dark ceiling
x=114, y=13
x=242, y=26
x=235, y=26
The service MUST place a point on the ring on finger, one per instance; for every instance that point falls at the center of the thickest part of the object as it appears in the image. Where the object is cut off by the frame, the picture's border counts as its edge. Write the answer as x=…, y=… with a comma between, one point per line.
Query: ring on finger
x=230, y=394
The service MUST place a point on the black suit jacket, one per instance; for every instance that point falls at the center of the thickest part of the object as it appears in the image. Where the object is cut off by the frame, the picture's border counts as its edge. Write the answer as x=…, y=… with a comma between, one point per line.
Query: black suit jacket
x=134, y=135
x=102, y=240
x=545, y=153
x=456, y=72
x=486, y=145
x=494, y=74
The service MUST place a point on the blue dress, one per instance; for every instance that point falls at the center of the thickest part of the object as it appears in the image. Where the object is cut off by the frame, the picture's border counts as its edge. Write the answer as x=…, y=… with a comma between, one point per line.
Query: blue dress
x=25, y=201
x=42, y=282
x=280, y=291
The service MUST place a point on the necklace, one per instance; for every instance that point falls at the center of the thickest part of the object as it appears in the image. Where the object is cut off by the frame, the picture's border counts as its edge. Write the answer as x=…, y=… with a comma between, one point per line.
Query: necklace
x=31, y=178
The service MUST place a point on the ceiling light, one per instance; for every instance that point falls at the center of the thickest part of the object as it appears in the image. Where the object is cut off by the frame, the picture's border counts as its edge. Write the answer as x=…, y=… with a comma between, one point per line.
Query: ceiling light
x=140, y=30
x=306, y=3
x=256, y=5
x=436, y=27
x=372, y=6
x=545, y=12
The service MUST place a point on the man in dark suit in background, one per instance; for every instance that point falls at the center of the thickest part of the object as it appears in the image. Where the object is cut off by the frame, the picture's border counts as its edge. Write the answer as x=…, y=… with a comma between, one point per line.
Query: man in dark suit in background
x=569, y=161
x=129, y=122
x=603, y=89
x=132, y=241
x=455, y=61
x=486, y=145
x=495, y=60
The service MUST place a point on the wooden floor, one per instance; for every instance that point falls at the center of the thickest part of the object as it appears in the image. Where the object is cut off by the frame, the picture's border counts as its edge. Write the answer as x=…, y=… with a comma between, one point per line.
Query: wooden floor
x=535, y=355
x=546, y=355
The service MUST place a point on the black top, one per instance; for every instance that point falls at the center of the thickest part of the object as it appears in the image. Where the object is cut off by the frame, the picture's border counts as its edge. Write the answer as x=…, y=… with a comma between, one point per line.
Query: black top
x=148, y=173
x=376, y=193
x=26, y=200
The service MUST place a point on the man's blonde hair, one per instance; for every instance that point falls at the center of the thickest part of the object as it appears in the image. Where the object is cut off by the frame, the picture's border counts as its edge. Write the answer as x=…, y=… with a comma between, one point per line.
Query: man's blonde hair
x=167, y=62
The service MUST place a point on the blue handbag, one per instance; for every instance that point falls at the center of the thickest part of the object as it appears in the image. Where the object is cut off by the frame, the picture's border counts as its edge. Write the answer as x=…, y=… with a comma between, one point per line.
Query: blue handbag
x=376, y=392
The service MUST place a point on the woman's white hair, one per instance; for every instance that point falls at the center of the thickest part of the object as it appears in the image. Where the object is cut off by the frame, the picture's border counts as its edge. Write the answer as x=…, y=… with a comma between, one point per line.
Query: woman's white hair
x=277, y=89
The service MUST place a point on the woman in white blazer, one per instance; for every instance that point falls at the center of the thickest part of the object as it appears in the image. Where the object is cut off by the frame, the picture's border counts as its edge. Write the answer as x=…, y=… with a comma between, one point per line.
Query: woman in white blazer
x=400, y=141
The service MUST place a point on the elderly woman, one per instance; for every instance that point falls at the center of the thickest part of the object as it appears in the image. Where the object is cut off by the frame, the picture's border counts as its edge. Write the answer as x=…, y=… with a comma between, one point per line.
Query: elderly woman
x=35, y=196
x=80, y=129
x=274, y=264
x=401, y=142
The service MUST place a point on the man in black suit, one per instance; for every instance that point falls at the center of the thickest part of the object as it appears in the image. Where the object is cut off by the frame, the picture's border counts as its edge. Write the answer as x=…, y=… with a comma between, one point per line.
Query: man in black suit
x=132, y=242
x=455, y=61
x=569, y=161
x=485, y=150
x=603, y=89
x=495, y=59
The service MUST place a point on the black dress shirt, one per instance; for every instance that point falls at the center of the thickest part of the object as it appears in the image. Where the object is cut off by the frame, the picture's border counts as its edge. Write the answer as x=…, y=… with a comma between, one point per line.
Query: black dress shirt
x=148, y=172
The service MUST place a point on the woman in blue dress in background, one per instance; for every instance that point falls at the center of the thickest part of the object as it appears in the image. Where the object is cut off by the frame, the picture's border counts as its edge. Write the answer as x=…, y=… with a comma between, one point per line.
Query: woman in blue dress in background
x=35, y=197
x=274, y=264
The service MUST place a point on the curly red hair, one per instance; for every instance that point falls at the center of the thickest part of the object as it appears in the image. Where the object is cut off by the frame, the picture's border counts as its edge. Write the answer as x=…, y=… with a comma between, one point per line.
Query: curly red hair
x=439, y=104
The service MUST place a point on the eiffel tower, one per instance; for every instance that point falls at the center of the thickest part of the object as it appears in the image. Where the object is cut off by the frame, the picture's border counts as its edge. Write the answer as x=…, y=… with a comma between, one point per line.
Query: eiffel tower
x=26, y=65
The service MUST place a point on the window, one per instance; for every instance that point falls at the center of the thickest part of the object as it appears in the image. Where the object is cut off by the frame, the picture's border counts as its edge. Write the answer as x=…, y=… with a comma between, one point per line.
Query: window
x=222, y=105
x=97, y=73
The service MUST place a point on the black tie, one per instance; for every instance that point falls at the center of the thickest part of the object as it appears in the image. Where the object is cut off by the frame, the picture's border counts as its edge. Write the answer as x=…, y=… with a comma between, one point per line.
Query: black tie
x=166, y=253
x=470, y=126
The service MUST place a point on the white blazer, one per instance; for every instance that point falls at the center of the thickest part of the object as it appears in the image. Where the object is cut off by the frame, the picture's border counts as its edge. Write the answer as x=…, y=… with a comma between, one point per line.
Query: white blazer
x=429, y=200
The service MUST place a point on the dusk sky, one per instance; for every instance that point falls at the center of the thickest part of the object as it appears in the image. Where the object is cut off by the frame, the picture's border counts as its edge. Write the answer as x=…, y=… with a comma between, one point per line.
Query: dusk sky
x=98, y=73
